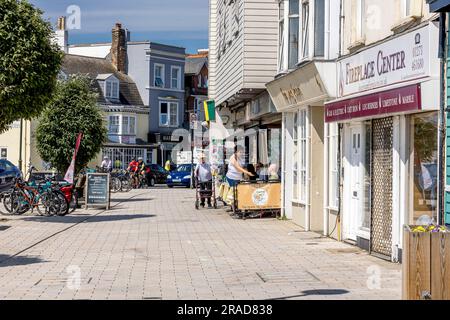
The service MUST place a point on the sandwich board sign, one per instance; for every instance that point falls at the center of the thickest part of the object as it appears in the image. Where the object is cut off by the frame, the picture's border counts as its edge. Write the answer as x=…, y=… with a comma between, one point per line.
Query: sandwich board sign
x=97, y=191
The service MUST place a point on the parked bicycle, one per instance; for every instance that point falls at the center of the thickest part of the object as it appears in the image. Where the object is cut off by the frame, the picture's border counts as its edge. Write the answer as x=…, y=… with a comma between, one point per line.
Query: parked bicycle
x=46, y=198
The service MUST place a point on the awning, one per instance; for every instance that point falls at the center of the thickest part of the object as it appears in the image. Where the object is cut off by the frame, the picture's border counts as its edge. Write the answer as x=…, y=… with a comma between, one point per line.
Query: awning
x=311, y=84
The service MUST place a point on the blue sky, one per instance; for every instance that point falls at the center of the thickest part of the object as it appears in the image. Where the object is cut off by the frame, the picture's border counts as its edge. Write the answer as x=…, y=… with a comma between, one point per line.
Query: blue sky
x=177, y=22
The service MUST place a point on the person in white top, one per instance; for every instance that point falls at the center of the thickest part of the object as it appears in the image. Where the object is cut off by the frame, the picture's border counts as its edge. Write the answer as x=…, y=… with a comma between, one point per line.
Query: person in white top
x=107, y=164
x=236, y=167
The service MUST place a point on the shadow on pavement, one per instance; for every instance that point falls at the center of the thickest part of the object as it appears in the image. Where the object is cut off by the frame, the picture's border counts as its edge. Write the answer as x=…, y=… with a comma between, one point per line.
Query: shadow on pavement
x=318, y=292
x=11, y=261
x=84, y=219
x=132, y=199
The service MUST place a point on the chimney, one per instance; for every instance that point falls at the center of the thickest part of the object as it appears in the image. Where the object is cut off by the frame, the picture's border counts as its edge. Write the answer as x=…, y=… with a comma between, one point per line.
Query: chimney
x=119, y=48
x=62, y=34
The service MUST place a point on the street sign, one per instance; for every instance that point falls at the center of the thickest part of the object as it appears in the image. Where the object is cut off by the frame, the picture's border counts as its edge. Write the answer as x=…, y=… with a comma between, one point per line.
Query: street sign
x=97, y=190
x=193, y=121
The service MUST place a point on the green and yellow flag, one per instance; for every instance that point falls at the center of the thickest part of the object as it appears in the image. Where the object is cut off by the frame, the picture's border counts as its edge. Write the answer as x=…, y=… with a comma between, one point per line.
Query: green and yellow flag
x=210, y=110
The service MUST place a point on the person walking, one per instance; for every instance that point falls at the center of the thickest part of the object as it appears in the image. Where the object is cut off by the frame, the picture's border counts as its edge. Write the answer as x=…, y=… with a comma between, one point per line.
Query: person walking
x=168, y=165
x=203, y=173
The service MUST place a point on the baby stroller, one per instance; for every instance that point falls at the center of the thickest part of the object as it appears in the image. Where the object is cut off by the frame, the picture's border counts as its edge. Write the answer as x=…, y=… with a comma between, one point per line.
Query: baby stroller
x=204, y=191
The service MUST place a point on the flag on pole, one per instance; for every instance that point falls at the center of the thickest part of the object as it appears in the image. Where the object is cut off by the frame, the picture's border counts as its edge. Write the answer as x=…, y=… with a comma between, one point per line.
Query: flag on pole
x=71, y=171
x=210, y=110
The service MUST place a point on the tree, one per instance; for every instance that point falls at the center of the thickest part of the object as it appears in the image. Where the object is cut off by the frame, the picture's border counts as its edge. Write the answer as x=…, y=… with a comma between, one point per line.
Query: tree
x=29, y=63
x=73, y=110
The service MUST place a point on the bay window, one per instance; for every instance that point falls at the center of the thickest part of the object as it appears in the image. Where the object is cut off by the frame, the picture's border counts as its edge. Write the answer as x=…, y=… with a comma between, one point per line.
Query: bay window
x=128, y=125
x=168, y=114
x=114, y=125
x=305, y=29
x=319, y=28
x=293, y=33
x=281, y=37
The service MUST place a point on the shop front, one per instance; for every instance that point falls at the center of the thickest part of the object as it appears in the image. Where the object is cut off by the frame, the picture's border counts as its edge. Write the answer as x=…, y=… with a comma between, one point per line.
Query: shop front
x=300, y=96
x=388, y=129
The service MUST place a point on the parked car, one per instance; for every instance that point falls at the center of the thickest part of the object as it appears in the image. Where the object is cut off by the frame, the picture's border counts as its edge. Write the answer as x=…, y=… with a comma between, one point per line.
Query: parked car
x=181, y=176
x=156, y=174
x=8, y=173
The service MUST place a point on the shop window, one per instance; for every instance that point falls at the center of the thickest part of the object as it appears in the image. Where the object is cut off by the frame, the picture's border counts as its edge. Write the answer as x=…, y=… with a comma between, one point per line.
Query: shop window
x=303, y=140
x=295, y=187
x=333, y=195
x=425, y=165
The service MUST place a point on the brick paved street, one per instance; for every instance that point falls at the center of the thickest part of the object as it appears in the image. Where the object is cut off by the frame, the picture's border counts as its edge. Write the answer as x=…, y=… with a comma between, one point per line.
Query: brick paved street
x=155, y=245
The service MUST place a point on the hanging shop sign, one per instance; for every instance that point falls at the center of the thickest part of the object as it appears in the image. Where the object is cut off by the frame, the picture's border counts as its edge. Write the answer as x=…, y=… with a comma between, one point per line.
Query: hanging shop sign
x=399, y=100
x=401, y=59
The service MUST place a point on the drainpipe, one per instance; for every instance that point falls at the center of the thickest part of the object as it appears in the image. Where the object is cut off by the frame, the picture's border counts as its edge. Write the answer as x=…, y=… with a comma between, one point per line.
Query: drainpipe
x=442, y=122
x=21, y=146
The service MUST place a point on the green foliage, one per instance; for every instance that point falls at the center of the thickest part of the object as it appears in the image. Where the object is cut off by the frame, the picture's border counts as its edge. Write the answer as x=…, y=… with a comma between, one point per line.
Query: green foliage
x=29, y=62
x=73, y=110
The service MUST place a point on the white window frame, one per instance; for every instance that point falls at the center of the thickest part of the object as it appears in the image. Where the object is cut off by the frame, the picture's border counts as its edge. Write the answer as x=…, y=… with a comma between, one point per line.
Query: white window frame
x=406, y=4
x=302, y=143
x=178, y=77
x=282, y=31
x=127, y=130
x=119, y=124
x=169, y=103
x=1, y=151
x=163, y=73
x=360, y=14
x=305, y=30
x=333, y=166
x=114, y=88
x=299, y=33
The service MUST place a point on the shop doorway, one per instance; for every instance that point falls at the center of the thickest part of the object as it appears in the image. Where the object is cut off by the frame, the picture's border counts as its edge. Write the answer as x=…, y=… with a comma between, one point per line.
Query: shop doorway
x=382, y=168
x=355, y=188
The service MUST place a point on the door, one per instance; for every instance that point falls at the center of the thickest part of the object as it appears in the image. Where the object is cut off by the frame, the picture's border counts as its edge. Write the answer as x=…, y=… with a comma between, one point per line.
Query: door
x=355, y=192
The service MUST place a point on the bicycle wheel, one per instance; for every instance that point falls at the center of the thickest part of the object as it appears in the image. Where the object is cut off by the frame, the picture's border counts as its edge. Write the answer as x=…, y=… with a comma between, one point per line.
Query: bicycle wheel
x=48, y=204
x=116, y=185
x=5, y=204
x=126, y=185
x=16, y=203
x=63, y=203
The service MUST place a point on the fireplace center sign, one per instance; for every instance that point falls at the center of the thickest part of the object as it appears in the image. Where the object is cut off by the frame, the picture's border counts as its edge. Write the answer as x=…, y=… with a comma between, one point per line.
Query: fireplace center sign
x=401, y=59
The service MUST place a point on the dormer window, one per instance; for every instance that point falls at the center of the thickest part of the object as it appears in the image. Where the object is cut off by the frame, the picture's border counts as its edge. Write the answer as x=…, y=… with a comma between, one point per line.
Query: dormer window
x=112, y=89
